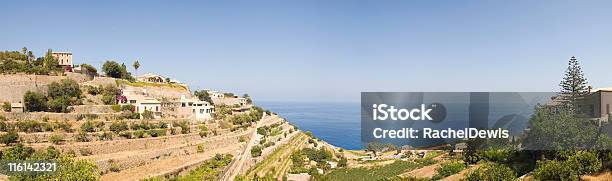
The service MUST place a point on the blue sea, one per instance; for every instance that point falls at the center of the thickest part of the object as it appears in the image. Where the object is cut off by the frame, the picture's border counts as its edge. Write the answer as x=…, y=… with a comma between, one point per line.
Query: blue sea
x=335, y=123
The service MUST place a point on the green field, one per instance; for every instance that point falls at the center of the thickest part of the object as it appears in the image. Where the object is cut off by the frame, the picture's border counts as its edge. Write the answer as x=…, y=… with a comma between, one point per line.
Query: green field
x=375, y=173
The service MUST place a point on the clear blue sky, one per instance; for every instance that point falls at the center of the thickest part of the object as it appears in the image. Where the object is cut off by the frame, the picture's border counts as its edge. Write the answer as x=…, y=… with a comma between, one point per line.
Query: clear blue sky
x=327, y=50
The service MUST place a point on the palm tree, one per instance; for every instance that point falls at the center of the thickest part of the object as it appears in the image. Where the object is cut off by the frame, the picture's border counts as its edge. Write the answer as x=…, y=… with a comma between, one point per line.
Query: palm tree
x=136, y=65
x=30, y=56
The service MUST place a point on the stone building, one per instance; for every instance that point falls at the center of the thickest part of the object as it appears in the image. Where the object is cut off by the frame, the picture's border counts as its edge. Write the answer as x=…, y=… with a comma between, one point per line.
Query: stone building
x=63, y=58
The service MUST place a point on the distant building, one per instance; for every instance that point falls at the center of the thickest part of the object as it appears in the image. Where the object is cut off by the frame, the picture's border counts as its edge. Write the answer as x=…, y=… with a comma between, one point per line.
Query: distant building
x=16, y=107
x=149, y=77
x=63, y=58
x=199, y=109
x=215, y=94
x=149, y=104
x=598, y=103
x=142, y=103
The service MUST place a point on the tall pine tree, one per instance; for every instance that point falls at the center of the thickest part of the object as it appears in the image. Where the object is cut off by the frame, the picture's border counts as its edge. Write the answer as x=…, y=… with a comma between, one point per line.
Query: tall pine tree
x=574, y=85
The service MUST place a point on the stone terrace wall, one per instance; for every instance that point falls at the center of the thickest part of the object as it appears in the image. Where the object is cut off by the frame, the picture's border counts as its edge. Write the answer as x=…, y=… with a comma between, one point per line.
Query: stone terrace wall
x=14, y=86
x=97, y=81
x=92, y=109
x=52, y=116
x=160, y=92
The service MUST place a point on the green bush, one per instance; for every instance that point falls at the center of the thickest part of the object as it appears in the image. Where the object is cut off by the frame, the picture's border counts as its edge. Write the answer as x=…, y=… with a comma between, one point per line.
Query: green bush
x=56, y=139
x=62, y=126
x=116, y=107
x=94, y=90
x=126, y=134
x=118, y=126
x=114, y=167
x=109, y=99
x=491, y=171
x=88, y=127
x=203, y=134
x=147, y=114
x=3, y=126
x=448, y=169
x=6, y=106
x=256, y=151
x=29, y=126
x=128, y=107
x=85, y=151
x=200, y=148
x=106, y=136
x=184, y=126
x=17, y=152
x=34, y=101
x=82, y=137
x=156, y=132
x=139, y=133
x=581, y=163
x=9, y=138
x=63, y=94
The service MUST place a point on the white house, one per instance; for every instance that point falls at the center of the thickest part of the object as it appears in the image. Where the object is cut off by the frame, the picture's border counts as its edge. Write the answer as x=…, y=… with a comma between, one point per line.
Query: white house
x=215, y=94
x=142, y=103
x=199, y=109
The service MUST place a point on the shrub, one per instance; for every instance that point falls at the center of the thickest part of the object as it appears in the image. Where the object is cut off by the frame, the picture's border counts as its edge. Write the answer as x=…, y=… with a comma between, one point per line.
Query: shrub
x=109, y=99
x=241, y=139
x=88, y=127
x=491, y=171
x=256, y=151
x=82, y=137
x=118, y=126
x=85, y=151
x=94, y=90
x=139, y=133
x=63, y=94
x=116, y=107
x=581, y=163
x=203, y=134
x=114, y=167
x=126, y=134
x=106, y=136
x=17, y=152
x=10, y=137
x=184, y=126
x=56, y=139
x=448, y=169
x=34, y=101
x=200, y=148
x=128, y=107
x=61, y=126
x=90, y=69
x=147, y=114
x=29, y=126
x=343, y=162
x=6, y=106
x=3, y=126
x=162, y=124
x=157, y=132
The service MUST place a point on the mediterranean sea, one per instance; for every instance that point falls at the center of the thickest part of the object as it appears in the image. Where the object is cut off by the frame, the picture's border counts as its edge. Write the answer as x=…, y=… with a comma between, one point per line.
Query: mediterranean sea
x=336, y=123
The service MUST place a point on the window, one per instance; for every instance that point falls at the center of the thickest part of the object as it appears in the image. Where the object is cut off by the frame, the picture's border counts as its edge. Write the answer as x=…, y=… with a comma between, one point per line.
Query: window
x=182, y=104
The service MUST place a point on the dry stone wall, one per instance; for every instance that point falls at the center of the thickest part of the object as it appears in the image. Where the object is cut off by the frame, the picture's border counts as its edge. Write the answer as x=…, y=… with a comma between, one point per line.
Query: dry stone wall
x=14, y=86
